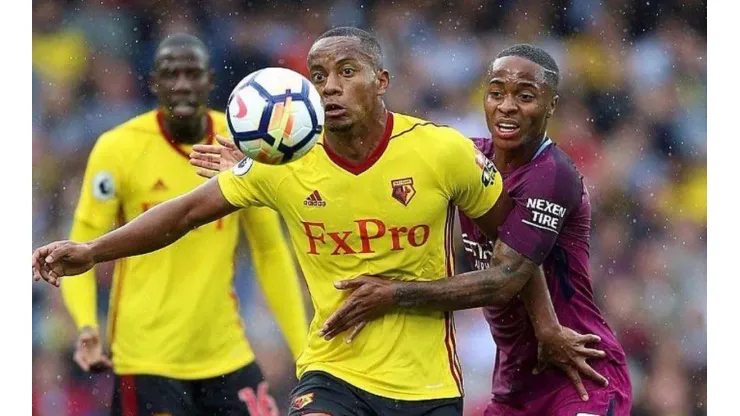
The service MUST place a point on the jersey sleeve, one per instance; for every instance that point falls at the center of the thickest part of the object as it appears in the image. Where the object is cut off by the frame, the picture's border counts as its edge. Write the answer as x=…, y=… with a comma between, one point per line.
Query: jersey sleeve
x=96, y=213
x=102, y=186
x=276, y=273
x=471, y=180
x=541, y=206
x=250, y=184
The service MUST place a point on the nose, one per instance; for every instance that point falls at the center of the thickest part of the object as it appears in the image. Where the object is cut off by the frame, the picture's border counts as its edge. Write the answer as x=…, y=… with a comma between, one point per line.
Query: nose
x=333, y=85
x=508, y=105
x=183, y=83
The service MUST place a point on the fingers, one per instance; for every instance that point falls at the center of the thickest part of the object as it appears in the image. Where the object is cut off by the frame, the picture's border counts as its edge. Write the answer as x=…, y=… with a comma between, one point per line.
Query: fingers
x=206, y=157
x=81, y=361
x=589, y=339
x=250, y=399
x=575, y=378
x=205, y=164
x=267, y=403
x=591, y=353
x=335, y=320
x=589, y=372
x=58, y=253
x=355, y=331
x=349, y=315
x=350, y=321
x=350, y=283
x=205, y=149
x=225, y=142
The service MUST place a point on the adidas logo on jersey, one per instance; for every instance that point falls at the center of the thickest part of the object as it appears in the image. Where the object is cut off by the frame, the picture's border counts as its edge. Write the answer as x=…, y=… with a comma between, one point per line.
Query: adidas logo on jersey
x=314, y=200
x=159, y=186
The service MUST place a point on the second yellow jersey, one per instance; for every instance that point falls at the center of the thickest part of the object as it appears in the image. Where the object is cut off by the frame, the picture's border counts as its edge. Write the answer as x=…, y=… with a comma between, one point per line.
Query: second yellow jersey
x=173, y=312
x=391, y=216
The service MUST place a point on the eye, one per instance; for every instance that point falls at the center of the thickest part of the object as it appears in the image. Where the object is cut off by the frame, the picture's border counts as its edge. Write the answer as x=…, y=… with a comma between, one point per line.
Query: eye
x=317, y=77
x=348, y=71
x=495, y=94
x=526, y=97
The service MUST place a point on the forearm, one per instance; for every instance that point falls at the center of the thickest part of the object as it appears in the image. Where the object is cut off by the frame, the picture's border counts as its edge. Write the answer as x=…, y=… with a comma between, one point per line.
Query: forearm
x=495, y=286
x=536, y=298
x=152, y=230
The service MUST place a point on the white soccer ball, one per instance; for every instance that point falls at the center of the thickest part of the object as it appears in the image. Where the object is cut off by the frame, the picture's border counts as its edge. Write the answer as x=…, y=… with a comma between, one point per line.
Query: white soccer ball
x=275, y=115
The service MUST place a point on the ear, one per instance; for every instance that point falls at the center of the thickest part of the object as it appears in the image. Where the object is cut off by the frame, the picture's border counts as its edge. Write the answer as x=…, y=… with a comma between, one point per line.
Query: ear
x=153, y=84
x=553, y=103
x=384, y=80
x=211, y=80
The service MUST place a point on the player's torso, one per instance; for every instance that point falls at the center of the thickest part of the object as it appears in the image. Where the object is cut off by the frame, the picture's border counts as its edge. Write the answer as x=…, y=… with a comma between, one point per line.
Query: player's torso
x=179, y=299
x=566, y=270
x=390, y=218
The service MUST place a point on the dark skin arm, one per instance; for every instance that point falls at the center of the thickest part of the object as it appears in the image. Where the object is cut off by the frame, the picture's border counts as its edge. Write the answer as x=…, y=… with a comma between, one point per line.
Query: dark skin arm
x=155, y=229
x=510, y=274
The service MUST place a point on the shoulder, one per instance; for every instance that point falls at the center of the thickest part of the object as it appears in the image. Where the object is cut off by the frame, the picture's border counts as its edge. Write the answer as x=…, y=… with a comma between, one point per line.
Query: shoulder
x=553, y=173
x=485, y=145
x=427, y=137
x=218, y=119
x=131, y=134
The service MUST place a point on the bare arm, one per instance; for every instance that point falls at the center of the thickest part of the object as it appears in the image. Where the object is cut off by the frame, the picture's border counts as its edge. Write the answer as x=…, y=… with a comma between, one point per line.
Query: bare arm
x=163, y=224
x=495, y=286
x=155, y=229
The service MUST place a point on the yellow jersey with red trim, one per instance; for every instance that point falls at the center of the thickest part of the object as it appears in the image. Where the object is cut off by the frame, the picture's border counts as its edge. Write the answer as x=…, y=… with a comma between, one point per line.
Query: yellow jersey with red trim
x=391, y=216
x=173, y=312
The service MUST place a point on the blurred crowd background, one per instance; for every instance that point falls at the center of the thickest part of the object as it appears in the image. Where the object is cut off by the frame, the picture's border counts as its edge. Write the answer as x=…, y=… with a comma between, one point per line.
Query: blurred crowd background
x=632, y=114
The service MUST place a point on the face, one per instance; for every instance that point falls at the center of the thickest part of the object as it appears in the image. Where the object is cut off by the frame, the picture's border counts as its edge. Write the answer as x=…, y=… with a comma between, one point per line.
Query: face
x=518, y=102
x=349, y=85
x=182, y=81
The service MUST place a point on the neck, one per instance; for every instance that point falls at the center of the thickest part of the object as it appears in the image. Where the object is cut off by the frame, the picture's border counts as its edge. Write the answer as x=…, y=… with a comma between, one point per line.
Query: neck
x=186, y=131
x=357, y=143
x=510, y=159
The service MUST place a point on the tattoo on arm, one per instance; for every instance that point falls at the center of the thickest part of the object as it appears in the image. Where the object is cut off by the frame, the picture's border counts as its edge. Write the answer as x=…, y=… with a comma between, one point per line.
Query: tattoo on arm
x=509, y=272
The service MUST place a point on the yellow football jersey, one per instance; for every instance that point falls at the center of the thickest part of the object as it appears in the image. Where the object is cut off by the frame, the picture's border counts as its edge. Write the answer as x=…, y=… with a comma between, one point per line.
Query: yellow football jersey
x=173, y=312
x=390, y=216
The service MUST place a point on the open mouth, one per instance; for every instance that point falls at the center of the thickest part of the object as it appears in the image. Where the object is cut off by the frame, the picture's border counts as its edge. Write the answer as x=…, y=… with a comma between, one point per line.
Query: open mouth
x=184, y=108
x=507, y=129
x=334, y=110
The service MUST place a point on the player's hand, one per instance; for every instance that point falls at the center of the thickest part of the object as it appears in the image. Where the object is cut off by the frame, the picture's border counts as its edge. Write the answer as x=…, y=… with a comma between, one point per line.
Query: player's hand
x=567, y=350
x=61, y=258
x=211, y=159
x=371, y=297
x=261, y=404
x=89, y=352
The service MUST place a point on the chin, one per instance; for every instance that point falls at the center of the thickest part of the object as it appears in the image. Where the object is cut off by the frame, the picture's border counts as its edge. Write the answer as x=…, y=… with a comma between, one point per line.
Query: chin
x=507, y=143
x=338, y=126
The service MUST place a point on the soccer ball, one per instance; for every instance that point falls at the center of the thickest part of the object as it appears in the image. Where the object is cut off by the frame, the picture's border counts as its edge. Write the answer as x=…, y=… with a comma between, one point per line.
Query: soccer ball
x=275, y=115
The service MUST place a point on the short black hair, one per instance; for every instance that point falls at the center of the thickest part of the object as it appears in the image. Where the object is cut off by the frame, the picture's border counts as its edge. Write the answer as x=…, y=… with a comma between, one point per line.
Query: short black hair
x=368, y=42
x=183, y=40
x=538, y=56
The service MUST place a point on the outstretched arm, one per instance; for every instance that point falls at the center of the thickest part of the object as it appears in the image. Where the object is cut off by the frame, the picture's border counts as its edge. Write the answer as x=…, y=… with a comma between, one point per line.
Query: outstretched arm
x=155, y=229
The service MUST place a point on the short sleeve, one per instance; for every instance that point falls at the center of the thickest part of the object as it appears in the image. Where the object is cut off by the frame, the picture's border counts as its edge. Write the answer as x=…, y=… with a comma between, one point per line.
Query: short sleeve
x=541, y=206
x=102, y=186
x=250, y=184
x=472, y=181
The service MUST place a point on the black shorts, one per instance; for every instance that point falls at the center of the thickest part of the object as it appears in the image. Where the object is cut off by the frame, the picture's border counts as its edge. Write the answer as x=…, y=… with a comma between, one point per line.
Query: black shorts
x=145, y=395
x=319, y=392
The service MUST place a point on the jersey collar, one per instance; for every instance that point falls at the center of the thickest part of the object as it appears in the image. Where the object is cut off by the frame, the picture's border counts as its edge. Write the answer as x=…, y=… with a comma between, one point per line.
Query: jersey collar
x=358, y=168
x=171, y=140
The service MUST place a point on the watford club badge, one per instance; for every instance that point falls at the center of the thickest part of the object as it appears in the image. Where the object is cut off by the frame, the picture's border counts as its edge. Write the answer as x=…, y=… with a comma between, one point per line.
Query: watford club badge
x=403, y=190
x=302, y=401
